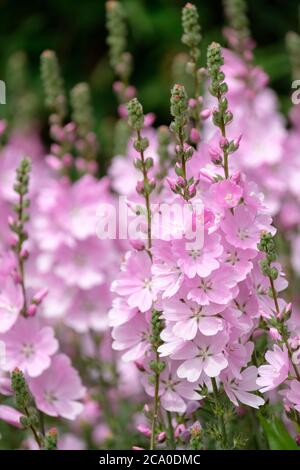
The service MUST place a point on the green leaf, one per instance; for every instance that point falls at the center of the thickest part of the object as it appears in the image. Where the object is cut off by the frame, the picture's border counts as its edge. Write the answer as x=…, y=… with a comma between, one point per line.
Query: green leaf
x=277, y=435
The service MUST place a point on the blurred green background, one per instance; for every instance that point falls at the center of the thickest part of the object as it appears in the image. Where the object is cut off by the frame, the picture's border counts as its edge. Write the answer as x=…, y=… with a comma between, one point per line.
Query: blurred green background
x=76, y=31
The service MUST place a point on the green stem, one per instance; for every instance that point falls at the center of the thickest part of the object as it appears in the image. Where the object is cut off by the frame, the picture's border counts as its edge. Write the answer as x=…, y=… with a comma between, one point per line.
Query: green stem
x=20, y=259
x=147, y=198
x=34, y=431
x=275, y=298
x=225, y=152
x=155, y=408
x=221, y=417
x=171, y=437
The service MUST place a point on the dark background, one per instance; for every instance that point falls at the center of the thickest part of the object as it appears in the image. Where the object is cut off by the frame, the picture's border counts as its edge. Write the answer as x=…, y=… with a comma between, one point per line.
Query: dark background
x=76, y=31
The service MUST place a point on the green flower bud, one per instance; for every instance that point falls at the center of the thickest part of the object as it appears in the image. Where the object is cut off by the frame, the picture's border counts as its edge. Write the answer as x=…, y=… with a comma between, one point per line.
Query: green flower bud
x=135, y=114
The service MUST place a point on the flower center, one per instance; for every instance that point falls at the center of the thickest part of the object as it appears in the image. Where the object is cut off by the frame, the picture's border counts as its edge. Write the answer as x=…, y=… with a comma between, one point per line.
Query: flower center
x=27, y=350
x=50, y=396
x=243, y=234
x=232, y=257
x=194, y=254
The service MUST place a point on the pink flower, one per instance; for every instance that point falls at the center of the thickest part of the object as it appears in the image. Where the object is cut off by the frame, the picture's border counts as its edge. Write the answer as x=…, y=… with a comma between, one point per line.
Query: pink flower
x=133, y=336
x=189, y=317
x=203, y=354
x=80, y=266
x=29, y=347
x=243, y=228
x=120, y=312
x=272, y=375
x=238, y=259
x=10, y=415
x=226, y=193
x=136, y=282
x=239, y=389
x=11, y=302
x=200, y=261
x=167, y=275
x=57, y=390
x=173, y=391
x=217, y=288
x=293, y=394
x=86, y=312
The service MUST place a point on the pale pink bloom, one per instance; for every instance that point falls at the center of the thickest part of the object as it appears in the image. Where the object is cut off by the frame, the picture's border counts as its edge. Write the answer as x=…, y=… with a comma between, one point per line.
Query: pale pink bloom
x=86, y=312
x=57, y=390
x=238, y=259
x=120, y=312
x=173, y=392
x=11, y=303
x=189, y=317
x=202, y=260
x=80, y=266
x=242, y=310
x=69, y=211
x=171, y=342
x=243, y=228
x=29, y=346
x=167, y=275
x=135, y=283
x=10, y=415
x=226, y=194
x=293, y=394
x=238, y=390
x=238, y=356
x=70, y=442
x=260, y=285
x=203, y=354
x=133, y=336
x=276, y=372
x=218, y=288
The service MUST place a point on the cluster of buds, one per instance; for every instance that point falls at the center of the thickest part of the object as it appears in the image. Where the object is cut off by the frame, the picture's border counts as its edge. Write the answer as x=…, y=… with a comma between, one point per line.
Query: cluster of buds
x=17, y=224
x=156, y=328
x=147, y=185
x=222, y=116
x=82, y=116
x=192, y=38
x=75, y=138
x=136, y=122
x=50, y=439
x=120, y=59
x=238, y=33
x=293, y=45
x=55, y=98
x=267, y=246
x=184, y=152
x=276, y=324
